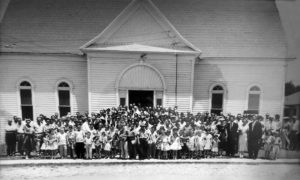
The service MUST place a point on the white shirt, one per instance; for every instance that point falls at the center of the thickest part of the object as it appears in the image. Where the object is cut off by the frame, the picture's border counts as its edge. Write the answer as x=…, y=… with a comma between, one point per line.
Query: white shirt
x=11, y=127
x=38, y=128
x=85, y=127
x=79, y=136
x=62, y=139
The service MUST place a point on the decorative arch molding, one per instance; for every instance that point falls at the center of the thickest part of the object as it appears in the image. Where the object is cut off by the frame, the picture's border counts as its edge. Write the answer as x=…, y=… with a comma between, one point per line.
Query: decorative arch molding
x=25, y=78
x=71, y=84
x=70, y=89
x=18, y=97
x=217, y=84
x=138, y=70
x=261, y=94
x=225, y=93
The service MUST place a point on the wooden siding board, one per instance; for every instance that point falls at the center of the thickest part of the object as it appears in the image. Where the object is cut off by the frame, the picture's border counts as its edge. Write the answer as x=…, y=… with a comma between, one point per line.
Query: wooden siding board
x=44, y=76
x=237, y=80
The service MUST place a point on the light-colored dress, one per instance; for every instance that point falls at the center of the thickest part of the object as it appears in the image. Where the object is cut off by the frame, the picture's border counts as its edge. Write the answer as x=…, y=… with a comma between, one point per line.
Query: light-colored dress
x=191, y=143
x=176, y=144
x=202, y=141
x=208, y=143
x=165, y=146
x=243, y=138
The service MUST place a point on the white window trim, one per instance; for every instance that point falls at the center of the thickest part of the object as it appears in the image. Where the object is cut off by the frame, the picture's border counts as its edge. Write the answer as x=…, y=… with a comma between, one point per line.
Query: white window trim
x=70, y=88
x=18, y=88
x=254, y=92
x=224, y=92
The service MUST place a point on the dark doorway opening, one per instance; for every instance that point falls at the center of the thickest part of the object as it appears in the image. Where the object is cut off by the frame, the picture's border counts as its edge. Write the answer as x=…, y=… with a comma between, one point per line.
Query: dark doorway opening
x=141, y=98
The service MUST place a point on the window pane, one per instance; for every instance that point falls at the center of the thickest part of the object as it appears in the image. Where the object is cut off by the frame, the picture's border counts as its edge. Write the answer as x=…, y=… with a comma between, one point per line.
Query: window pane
x=218, y=88
x=122, y=101
x=63, y=111
x=27, y=112
x=63, y=84
x=159, y=102
x=25, y=83
x=64, y=98
x=26, y=96
x=255, y=88
x=217, y=101
x=253, y=102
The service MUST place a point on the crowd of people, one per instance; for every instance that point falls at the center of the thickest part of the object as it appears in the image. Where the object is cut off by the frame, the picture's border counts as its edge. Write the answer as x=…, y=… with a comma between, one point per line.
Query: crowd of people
x=145, y=133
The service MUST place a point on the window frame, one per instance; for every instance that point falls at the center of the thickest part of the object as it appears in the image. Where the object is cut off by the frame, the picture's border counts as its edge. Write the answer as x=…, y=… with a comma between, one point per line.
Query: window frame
x=256, y=92
x=70, y=89
x=18, y=92
x=211, y=92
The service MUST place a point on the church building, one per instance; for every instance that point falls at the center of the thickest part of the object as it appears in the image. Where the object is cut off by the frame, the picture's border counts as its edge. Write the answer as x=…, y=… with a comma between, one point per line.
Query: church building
x=85, y=55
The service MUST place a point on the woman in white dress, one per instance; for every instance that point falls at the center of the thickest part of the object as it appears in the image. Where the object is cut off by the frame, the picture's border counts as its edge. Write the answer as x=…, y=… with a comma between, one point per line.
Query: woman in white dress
x=175, y=146
x=243, y=129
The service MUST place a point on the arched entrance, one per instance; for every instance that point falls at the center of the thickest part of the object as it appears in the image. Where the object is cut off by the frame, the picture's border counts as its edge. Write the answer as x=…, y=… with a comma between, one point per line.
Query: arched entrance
x=141, y=84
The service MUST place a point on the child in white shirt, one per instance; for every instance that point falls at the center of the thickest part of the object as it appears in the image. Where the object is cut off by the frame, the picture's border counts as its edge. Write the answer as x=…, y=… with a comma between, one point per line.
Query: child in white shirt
x=62, y=143
x=88, y=141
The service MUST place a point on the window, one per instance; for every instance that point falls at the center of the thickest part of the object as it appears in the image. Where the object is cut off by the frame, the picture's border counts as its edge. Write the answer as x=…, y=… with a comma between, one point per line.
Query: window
x=217, y=96
x=123, y=101
x=26, y=100
x=254, y=99
x=159, y=98
x=64, y=106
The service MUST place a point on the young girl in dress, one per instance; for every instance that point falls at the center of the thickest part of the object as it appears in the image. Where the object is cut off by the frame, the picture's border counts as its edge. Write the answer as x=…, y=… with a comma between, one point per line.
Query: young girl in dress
x=165, y=145
x=191, y=145
x=197, y=141
x=215, y=146
x=208, y=145
x=175, y=146
x=107, y=148
x=52, y=143
x=269, y=141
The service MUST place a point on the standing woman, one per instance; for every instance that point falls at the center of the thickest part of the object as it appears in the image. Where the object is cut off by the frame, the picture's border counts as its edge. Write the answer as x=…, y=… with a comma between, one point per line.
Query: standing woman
x=28, y=138
x=223, y=137
x=10, y=138
x=243, y=130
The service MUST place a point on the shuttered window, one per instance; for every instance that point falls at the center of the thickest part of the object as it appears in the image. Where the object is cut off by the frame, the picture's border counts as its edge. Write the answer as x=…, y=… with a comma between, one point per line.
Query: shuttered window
x=26, y=100
x=254, y=99
x=64, y=104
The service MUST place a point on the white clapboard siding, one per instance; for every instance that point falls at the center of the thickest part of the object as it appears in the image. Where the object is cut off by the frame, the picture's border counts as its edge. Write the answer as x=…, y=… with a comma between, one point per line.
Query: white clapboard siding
x=43, y=72
x=105, y=70
x=237, y=79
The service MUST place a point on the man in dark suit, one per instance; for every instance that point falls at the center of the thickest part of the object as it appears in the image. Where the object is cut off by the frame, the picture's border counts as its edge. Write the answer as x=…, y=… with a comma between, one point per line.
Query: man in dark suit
x=232, y=136
x=254, y=137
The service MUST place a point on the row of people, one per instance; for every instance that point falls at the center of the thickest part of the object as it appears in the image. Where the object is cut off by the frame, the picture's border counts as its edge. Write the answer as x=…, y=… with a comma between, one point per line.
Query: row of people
x=131, y=132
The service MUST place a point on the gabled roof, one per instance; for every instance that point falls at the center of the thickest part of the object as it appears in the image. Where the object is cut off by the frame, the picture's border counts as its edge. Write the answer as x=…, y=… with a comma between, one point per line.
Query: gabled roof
x=220, y=28
x=141, y=22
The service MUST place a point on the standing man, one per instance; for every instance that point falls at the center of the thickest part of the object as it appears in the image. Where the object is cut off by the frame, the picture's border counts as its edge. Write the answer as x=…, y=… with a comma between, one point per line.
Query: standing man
x=10, y=138
x=232, y=137
x=254, y=137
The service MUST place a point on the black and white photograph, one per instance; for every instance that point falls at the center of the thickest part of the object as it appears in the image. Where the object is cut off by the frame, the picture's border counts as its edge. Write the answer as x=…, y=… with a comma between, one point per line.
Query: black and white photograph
x=149, y=89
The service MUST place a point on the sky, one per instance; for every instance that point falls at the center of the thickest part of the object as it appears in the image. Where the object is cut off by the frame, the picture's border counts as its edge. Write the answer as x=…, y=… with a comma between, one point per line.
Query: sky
x=289, y=11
